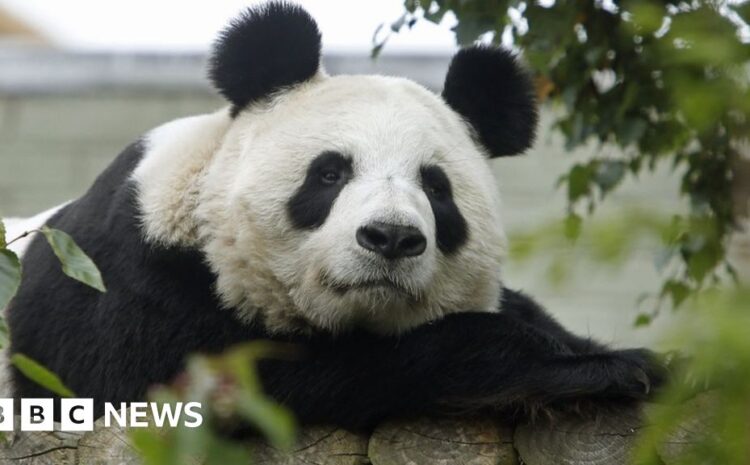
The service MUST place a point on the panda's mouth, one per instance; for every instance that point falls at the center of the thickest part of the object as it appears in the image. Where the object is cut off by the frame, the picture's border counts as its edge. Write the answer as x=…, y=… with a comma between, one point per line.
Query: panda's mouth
x=386, y=284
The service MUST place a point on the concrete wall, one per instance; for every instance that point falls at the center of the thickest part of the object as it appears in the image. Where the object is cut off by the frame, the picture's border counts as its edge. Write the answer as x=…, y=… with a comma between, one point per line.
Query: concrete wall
x=52, y=146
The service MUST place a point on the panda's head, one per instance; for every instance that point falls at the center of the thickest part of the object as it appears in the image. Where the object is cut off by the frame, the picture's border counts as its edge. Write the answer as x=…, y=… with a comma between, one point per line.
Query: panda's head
x=353, y=201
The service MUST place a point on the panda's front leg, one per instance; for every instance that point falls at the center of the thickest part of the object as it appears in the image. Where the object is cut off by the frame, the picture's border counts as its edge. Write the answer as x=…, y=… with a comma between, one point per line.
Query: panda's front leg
x=464, y=362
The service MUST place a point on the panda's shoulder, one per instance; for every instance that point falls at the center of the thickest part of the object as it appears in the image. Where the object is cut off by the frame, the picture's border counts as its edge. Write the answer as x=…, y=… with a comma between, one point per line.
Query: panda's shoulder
x=111, y=190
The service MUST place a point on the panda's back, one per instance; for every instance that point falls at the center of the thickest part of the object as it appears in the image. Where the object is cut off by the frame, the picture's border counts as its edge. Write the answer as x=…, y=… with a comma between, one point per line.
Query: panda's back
x=130, y=332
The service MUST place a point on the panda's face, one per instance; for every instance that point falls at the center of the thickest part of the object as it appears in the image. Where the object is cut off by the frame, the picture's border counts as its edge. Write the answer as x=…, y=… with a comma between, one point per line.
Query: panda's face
x=365, y=201
x=339, y=202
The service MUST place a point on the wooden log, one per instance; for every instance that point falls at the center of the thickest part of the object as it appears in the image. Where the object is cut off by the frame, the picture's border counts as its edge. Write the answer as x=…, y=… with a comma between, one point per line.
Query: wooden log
x=477, y=441
x=39, y=448
x=572, y=441
x=107, y=446
x=316, y=445
x=691, y=429
x=607, y=440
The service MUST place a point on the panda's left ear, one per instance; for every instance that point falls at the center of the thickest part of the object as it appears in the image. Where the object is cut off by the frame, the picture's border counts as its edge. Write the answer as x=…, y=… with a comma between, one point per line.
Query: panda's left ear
x=495, y=95
x=268, y=48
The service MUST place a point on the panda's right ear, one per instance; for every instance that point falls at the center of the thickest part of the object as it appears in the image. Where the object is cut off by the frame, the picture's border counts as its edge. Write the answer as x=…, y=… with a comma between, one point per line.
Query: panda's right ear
x=267, y=48
x=495, y=95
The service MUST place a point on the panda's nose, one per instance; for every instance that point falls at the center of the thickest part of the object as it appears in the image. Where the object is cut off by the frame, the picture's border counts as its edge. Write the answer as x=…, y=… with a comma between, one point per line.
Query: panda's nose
x=392, y=240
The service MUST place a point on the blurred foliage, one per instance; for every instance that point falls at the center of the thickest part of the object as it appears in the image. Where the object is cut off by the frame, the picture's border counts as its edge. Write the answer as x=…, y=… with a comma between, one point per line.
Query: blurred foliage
x=703, y=415
x=661, y=80
x=40, y=375
x=230, y=392
x=610, y=242
x=717, y=329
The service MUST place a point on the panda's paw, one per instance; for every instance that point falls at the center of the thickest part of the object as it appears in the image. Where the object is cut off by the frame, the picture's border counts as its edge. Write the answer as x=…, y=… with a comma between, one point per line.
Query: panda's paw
x=637, y=374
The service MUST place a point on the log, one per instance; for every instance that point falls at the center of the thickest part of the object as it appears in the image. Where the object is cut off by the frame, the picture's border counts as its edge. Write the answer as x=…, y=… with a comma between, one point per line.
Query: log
x=316, y=445
x=606, y=440
x=436, y=441
x=570, y=441
x=40, y=448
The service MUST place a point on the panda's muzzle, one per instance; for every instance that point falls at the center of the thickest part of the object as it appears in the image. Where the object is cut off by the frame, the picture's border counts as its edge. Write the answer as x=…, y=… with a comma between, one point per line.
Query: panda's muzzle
x=374, y=285
x=387, y=284
x=392, y=241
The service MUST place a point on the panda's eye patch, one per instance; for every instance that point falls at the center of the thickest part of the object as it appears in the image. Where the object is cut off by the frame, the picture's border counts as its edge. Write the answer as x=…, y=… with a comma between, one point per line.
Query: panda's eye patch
x=435, y=182
x=332, y=168
x=451, y=229
x=326, y=175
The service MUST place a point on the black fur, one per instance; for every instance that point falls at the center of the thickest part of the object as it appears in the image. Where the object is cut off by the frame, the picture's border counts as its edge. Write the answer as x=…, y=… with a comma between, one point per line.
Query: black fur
x=327, y=174
x=490, y=90
x=267, y=48
x=452, y=231
x=111, y=346
x=160, y=307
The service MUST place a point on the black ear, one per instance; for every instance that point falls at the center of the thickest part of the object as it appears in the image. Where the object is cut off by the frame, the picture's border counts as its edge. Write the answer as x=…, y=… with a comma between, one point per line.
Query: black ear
x=496, y=96
x=267, y=48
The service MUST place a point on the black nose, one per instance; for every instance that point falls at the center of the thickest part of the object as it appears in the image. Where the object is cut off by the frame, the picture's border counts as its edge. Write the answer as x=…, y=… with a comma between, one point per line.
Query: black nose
x=392, y=240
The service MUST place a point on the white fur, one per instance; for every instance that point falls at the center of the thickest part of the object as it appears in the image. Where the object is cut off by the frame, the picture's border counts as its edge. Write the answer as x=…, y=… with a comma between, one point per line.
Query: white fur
x=168, y=176
x=16, y=227
x=224, y=184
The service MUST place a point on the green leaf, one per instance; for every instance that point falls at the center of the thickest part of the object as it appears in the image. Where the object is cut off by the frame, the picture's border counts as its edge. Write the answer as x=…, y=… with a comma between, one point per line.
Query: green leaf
x=470, y=28
x=10, y=276
x=573, y=226
x=220, y=451
x=677, y=291
x=152, y=447
x=411, y=5
x=376, y=49
x=647, y=16
x=579, y=179
x=743, y=9
x=631, y=131
x=40, y=375
x=3, y=241
x=704, y=261
x=273, y=420
x=643, y=319
x=75, y=262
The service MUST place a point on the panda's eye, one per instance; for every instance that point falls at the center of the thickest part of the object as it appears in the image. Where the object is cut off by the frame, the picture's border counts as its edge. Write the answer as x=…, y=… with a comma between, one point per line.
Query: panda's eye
x=325, y=177
x=330, y=176
x=435, y=183
x=437, y=191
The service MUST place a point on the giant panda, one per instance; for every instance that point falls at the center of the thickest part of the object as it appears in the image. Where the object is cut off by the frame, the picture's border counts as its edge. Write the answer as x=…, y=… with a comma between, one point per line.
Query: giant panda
x=353, y=216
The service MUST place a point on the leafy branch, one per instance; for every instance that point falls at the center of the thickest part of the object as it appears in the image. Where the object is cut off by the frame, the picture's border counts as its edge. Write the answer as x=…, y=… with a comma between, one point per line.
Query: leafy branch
x=75, y=264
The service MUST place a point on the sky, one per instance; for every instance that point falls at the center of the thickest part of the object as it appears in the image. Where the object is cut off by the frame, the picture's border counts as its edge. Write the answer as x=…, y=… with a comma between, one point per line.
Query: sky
x=179, y=25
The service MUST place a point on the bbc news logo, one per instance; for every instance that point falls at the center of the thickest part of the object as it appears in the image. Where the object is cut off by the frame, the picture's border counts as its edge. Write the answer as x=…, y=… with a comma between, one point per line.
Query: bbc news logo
x=78, y=414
